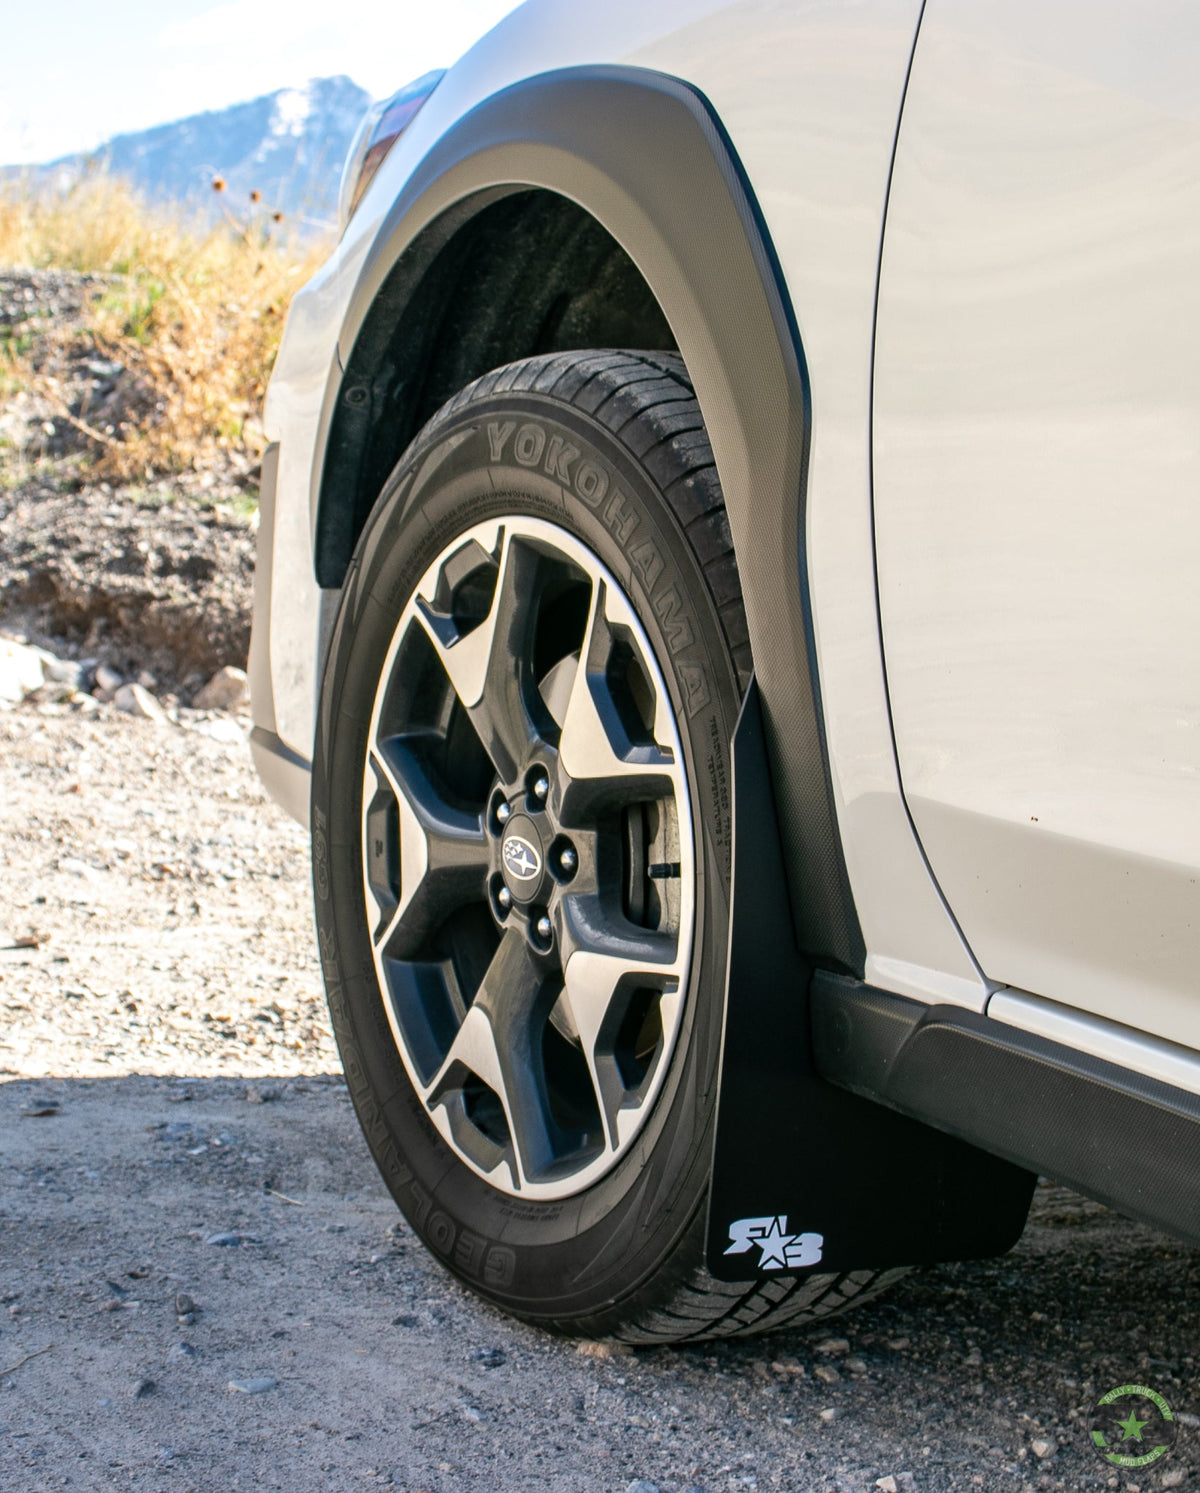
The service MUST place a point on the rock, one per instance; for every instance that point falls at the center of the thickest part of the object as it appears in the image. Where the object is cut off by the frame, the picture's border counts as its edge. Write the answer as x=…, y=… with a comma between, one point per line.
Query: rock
x=887, y=1484
x=833, y=1345
x=252, y=1386
x=108, y=681
x=262, y=1095
x=21, y=672
x=226, y=690
x=830, y=1415
x=826, y=1374
x=64, y=671
x=220, y=729
x=640, y=1485
x=488, y=1358
x=40, y=1109
x=405, y=1319
x=1043, y=1449
x=142, y=1388
x=134, y=699
x=182, y=1350
x=184, y=1305
x=603, y=1350
x=224, y=1241
x=1173, y=1479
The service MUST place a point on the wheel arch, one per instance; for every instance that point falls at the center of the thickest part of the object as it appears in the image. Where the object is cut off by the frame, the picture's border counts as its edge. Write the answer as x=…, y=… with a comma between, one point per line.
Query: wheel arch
x=631, y=173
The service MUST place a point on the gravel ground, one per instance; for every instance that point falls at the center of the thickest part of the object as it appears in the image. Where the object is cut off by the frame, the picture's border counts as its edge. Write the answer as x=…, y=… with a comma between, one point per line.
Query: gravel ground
x=172, y=1125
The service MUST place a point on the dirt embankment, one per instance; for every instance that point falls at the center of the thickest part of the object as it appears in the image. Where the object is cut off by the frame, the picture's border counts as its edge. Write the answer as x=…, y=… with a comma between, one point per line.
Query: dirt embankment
x=148, y=577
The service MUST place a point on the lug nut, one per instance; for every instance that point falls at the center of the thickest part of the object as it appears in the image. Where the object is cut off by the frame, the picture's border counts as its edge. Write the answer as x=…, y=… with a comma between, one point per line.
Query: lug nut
x=544, y=929
x=504, y=897
x=568, y=861
x=503, y=813
x=541, y=789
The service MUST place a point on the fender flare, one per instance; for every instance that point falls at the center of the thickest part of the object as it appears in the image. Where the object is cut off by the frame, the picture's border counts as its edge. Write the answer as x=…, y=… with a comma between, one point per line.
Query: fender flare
x=646, y=156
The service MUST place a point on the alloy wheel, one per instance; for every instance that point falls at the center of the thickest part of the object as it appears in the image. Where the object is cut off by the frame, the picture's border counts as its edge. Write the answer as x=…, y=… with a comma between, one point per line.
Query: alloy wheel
x=528, y=858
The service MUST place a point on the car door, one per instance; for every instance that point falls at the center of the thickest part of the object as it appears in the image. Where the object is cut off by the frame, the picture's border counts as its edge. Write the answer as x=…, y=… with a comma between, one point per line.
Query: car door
x=1036, y=476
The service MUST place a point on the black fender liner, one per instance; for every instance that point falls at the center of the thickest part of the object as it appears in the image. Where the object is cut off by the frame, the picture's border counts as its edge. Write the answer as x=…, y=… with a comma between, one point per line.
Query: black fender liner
x=645, y=155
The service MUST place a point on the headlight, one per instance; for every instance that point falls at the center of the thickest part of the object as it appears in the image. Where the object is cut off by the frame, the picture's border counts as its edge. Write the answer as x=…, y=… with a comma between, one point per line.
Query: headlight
x=379, y=131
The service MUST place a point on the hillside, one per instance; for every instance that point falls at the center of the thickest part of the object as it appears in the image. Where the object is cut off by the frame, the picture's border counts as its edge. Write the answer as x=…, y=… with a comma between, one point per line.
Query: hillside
x=288, y=145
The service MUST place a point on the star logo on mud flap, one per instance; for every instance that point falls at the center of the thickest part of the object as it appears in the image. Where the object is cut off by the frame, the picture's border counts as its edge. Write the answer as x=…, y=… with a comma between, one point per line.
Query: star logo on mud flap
x=778, y=1250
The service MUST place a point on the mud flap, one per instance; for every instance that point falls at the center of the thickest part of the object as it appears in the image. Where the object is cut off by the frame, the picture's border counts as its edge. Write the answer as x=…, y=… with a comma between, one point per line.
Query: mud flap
x=807, y=1175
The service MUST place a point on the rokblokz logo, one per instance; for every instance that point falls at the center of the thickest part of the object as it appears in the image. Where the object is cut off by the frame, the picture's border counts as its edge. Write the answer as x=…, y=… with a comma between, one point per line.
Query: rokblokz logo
x=778, y=1250
x=1133, y=1426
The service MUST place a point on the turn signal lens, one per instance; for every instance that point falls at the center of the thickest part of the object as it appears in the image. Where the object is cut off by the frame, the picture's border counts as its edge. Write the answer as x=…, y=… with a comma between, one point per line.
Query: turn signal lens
x=381, y=128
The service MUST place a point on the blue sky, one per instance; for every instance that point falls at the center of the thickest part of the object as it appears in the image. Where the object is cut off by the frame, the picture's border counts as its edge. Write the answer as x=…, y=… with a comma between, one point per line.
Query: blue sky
x=77, y=71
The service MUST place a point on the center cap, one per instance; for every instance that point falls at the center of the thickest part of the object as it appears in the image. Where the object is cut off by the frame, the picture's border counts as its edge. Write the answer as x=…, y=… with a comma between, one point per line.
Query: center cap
x=522, y=859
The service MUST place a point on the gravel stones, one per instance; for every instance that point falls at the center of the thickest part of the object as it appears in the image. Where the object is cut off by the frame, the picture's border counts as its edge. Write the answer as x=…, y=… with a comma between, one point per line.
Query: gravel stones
x=226, y=690
x=258, y=1385
x=133, y=699
x=170, y=888
x=21, y=671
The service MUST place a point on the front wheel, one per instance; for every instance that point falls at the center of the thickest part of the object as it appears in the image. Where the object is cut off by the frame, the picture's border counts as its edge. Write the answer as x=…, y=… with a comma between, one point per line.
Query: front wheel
x=521, y=835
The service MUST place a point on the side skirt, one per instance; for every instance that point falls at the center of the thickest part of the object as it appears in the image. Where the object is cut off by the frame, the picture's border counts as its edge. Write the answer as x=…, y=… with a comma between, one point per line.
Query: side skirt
x=1127, y=1140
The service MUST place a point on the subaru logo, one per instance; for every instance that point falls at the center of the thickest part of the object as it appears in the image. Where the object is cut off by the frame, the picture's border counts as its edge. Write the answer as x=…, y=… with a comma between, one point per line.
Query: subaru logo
x=521, y=859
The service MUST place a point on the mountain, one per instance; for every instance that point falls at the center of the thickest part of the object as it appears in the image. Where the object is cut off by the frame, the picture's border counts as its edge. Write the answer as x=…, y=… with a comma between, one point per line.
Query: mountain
x=288, y=145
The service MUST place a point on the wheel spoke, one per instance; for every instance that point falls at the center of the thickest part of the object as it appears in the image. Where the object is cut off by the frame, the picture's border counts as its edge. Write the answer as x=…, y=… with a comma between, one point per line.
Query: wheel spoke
x=500, y=1043
x=443, y=853
x=596, y=991
x=490, y=668
x=595, y=745
x=603, y=962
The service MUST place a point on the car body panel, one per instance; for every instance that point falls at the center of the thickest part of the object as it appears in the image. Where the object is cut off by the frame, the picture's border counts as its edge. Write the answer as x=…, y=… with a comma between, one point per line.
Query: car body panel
x=809, y=97
x=1037, y=462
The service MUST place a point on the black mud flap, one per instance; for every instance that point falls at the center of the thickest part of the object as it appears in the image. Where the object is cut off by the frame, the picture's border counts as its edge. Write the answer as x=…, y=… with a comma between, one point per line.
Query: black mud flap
x=807, y=1175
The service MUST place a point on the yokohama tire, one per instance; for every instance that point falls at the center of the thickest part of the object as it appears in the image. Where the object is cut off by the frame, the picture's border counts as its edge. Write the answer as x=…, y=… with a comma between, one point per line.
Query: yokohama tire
x=609, y=449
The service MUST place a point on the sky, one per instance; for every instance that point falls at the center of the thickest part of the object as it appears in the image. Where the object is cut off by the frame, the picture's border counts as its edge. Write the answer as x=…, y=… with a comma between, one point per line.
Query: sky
x=87, y=71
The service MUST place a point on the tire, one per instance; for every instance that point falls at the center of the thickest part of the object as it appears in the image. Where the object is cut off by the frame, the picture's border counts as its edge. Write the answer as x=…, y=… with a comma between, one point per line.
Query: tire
x=546, y=1133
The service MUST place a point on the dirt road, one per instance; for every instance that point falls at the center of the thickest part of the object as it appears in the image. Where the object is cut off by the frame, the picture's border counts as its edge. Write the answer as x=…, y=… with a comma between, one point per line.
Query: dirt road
x=186, y=1205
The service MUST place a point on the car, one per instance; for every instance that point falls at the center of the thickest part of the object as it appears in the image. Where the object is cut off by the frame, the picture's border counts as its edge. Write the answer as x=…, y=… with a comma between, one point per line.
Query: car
x=726, y=611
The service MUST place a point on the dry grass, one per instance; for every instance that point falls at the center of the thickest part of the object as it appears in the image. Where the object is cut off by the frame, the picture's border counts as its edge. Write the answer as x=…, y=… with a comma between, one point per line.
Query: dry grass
x=193, y=312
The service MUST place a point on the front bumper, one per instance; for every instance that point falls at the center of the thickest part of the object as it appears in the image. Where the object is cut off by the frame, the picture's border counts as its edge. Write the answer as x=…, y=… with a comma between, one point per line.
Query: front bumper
x=285, y=773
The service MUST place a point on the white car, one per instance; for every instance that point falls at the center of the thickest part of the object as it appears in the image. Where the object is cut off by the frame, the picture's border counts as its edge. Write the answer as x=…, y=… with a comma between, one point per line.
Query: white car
x=728, y=608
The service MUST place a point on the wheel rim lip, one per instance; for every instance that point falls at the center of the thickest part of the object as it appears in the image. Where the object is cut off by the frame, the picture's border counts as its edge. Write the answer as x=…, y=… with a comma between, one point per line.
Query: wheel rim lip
x=632, y=1121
